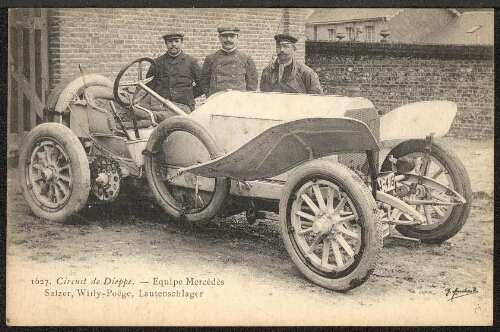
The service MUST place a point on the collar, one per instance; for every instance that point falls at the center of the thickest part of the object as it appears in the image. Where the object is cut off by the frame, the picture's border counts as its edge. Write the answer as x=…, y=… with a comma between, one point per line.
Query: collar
x=230, y=51
x=276, y=63
x=174, y=56
x=286, y=63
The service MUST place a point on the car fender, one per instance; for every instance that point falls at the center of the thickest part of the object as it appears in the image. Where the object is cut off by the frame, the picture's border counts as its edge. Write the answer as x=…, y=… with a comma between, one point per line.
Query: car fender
x=78, y=86
x=287, y=145
x=417, y=120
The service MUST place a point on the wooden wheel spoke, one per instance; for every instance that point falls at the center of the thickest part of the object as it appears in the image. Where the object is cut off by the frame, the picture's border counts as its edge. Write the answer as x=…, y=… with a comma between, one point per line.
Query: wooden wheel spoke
x=65, y=178
x=344, y=245
x=319, y=197
x=45, y=150
x=60, y=161
x=437, y=174
x=42, y=156
x=326, y=252
x=63, y=168
x=305, y=215
x=38, y=179
x=63, y=187
x=428, y=217
x=337, y=254
x=305, y=231
x=51, y=192
x=314, y=245
x=348, y=232
x=306, y=223
x=395, y=214
x=38, y=166
x=50, y=154
x=329, y=199
x=310, y=203
x=439, y=212
x=348, y=218
x=44, y=188
x=341, y=205
x=58, y=193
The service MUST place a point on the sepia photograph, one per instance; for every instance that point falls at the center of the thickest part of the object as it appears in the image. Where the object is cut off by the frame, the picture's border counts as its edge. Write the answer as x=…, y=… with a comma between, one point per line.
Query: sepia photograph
x=250, y=166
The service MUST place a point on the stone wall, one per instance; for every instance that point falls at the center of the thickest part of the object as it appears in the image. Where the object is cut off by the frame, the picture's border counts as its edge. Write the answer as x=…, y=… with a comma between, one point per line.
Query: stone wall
x=391, y=75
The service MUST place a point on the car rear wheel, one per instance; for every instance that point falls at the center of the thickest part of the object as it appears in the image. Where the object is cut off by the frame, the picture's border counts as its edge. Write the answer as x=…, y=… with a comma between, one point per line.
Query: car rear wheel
x=55, y=173
x=443, y=221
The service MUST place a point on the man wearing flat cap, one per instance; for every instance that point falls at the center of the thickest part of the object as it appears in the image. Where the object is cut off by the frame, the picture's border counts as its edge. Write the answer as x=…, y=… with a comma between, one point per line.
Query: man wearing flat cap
x=286, y=74
x=177, y=73
x=228, y=68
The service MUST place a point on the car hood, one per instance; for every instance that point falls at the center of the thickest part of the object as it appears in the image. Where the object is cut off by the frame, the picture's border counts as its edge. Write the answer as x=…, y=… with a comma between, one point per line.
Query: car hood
x=236, y=117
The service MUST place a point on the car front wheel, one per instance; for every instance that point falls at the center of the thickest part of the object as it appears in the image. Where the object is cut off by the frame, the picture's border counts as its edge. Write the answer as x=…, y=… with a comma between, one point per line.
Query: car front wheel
x=329, y=225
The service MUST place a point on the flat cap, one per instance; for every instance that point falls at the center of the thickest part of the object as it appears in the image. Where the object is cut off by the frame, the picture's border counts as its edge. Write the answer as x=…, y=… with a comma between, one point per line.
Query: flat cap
x=173, y=35
x=227, y=29
x=283, y=37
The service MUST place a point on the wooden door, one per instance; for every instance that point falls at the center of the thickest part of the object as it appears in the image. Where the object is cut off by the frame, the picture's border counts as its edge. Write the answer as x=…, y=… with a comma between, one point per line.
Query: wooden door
x=28, y=73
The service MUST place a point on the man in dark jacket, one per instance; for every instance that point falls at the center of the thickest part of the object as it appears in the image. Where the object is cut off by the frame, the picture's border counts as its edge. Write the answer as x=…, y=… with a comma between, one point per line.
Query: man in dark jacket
x=287, y=74
x=228, y=68
x=177, y=74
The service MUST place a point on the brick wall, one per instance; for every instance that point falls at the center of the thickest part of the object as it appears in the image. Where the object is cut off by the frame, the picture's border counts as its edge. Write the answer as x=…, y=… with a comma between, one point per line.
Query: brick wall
x=103, y=40
x=391, y=75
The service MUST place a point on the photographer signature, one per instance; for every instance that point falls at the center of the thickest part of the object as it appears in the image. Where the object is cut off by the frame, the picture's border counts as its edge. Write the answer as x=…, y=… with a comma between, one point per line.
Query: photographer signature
x=459, y=292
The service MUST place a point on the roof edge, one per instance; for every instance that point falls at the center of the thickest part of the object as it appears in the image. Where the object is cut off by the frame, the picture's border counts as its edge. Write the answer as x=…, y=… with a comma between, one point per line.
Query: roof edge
x=396, y=13
x=454, y=11
x=343, y=21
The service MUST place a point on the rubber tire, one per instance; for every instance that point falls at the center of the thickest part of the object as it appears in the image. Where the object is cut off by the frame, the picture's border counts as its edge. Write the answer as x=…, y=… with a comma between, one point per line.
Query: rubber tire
x=79, y=166
x=461, y=183
x=366, y=206
x=163, y=197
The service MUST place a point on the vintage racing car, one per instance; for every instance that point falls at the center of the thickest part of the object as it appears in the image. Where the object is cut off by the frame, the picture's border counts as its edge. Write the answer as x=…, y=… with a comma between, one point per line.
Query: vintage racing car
x=311, y=159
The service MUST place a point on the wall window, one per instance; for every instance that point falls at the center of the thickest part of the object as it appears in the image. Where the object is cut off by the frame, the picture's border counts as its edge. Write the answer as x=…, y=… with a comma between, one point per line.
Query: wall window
x=369, y=33
x=331, y=34
x=349, y=33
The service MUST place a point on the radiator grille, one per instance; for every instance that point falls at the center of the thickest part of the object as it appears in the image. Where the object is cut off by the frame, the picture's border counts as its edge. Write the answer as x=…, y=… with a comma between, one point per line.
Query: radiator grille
x=358, y=161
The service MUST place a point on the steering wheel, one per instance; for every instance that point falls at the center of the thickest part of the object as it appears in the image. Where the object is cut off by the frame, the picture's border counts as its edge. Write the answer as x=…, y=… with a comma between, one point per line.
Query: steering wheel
x=120, y=87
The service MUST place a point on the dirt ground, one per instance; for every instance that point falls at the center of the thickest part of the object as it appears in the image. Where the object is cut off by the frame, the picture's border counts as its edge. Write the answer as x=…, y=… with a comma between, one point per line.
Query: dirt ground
x=262, y=286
